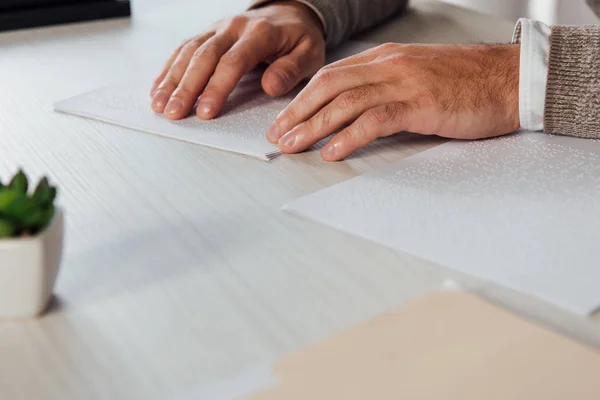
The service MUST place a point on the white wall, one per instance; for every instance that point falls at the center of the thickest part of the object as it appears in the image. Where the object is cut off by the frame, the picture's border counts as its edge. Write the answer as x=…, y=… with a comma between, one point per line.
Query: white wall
x=570, y=12
x=575, y=12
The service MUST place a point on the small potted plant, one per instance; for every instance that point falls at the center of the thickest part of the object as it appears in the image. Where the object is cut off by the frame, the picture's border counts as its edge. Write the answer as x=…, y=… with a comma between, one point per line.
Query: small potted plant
x=31, y=242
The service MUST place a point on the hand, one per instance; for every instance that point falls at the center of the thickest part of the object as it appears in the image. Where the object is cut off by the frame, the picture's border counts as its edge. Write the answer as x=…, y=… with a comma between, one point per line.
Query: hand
x=455, y=91
x=286, y=34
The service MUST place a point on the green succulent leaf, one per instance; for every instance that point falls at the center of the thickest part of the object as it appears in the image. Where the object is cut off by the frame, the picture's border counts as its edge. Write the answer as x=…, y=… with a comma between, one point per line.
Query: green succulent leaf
x=33, y=222
x=7, y=228
x=7, y=196
x=19, y=182
x=51, y=196
x=20, y=209
x=21, y=213
x=45, y=217
x=44, y=194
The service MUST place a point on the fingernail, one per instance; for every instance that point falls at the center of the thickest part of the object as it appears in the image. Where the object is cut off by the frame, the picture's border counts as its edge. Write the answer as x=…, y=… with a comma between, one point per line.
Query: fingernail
x=330, y=151
x=288, y=140
x=174, y=106
x=154, y=87
x=284, y=81
x=160, y=100
x=274, y=133
x=205, y=107
x=280, y=115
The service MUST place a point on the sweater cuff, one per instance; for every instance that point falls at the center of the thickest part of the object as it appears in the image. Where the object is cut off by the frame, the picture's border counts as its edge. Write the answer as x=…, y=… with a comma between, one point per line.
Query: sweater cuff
x=573, y=91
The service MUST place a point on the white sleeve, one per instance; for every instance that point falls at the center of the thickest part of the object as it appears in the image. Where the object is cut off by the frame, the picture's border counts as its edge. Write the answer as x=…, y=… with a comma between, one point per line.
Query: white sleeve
x=534, y=37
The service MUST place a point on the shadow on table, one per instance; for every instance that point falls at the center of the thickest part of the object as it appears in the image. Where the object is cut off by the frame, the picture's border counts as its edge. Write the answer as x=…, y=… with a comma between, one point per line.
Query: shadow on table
x=129, y=262
x=410, y=143
x=54, y=306
x=388, y=149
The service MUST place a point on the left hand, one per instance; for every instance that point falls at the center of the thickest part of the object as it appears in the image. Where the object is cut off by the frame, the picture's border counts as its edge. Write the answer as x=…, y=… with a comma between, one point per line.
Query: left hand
x=454, y=91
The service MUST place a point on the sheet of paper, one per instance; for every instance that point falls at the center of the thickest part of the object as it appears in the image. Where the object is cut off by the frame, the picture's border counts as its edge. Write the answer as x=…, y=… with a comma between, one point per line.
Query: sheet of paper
x=522, y=211
x=446, y=345
x=241, y=127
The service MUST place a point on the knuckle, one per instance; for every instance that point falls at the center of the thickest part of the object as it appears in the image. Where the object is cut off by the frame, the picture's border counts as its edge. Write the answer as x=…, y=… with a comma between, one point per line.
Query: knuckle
x=323, y=78
x=303, y=103
x=289, y=113
x=359, y=95
x=233, y=59
x=261, y=27
x=191, y=46
x=180, y=48
x=399, y=59
x=314, y=46
x=320, y=121
x=387, y=46
x=346, y=101
x=324, y=119
x=211, y=92
x=358, y=133
x=383, y=115
x=204, y=52
x=237, y=21
x=182, y=93
x=169, y=83
x=198, y=54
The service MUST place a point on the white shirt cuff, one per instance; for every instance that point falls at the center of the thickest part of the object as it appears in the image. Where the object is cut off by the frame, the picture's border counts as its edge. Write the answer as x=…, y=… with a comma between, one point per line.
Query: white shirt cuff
x=534, y=37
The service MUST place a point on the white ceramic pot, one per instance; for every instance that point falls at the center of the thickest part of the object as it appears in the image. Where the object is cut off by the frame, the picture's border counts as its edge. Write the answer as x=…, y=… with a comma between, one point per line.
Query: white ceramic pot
x=28, y=270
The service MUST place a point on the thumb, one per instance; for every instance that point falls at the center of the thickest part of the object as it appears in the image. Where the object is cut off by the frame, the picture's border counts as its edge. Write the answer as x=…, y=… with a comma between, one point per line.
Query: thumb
x=287, y=71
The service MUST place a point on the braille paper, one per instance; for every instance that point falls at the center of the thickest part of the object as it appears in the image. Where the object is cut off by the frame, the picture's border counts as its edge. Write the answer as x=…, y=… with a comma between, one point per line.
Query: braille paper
x=522, y=211
x=240, y=128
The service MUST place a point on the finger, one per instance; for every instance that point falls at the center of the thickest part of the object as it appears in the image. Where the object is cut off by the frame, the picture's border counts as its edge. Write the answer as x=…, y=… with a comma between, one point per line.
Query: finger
x=165, y=69
x=245, y=55
x=343, y=110
x=326, y=85
x=173, y=76
x=378, y=122
x=286, y=72
x=199, y=71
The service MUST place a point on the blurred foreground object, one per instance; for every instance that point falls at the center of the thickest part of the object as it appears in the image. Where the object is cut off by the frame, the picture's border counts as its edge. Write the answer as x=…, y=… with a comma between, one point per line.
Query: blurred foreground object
x=445, y=345
x=20, y=14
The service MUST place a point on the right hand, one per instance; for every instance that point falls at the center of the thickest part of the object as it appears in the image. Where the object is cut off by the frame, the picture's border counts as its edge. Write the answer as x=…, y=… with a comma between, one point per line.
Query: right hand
x=287, y=35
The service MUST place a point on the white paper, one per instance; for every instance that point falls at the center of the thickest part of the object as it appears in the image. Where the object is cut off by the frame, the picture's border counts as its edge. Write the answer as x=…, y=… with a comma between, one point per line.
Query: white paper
x=240, y=128
x=522, y=211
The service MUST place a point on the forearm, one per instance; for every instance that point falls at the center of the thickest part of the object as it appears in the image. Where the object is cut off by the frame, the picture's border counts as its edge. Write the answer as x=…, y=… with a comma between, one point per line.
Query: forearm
x=343, y=18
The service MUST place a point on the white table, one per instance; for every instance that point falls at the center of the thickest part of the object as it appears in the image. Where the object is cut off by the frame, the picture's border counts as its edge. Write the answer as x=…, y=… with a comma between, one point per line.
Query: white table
x=179, y=272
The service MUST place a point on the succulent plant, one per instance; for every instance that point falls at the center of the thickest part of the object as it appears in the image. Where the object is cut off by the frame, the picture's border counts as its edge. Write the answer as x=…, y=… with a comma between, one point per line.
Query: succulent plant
x=24, y=214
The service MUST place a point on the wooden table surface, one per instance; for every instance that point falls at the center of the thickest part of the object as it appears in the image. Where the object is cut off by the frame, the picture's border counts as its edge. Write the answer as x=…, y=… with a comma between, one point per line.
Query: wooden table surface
x=180, y=270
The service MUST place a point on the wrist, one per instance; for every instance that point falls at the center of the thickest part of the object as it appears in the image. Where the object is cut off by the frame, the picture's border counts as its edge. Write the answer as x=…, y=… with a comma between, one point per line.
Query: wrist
x=508, y=73
x=515, y=62
x=308, y=14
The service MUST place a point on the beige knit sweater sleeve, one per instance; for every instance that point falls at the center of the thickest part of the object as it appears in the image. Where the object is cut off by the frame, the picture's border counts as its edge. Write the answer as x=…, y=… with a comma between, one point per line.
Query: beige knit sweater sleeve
x=572, y=104
x=573, y=92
